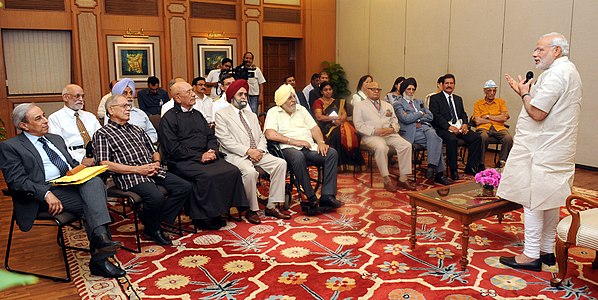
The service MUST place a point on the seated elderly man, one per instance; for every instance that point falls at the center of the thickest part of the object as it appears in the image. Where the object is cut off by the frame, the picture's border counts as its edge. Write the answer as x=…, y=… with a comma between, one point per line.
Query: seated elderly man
x=75, y=125
x=377, y=123
x=490, y=115
x=414, y=119
x=294, y=128
x=33, y=158
x=191, y=151
x=130, y=154
x=241, y=139
x=138, y=117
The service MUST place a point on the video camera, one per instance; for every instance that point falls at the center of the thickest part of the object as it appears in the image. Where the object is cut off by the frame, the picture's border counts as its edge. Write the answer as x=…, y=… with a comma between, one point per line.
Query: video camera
x=224, y=73
x=243, y=72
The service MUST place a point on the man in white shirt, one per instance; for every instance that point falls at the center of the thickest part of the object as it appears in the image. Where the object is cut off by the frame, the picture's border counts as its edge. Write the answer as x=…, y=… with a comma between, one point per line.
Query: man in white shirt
x=74, y=125
x=214, y=77
x=203, y=103
x=221, y=102
x=101, y=106
x=315, y=82
x=126, y=87
x=250, y=72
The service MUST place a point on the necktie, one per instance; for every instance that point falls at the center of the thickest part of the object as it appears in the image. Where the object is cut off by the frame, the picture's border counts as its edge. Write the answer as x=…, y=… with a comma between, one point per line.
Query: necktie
x=82, y=130
x=454, y=117
x=418, y=124
x=376, y=104
x=252, y=144
x=54, y=157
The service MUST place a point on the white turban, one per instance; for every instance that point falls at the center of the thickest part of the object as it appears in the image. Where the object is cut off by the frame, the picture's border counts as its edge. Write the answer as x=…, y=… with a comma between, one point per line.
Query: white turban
x=119, y=87
x=283, y=93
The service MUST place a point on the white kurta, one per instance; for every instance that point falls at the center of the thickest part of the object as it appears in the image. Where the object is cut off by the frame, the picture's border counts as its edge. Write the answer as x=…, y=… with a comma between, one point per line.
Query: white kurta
x=539, y=170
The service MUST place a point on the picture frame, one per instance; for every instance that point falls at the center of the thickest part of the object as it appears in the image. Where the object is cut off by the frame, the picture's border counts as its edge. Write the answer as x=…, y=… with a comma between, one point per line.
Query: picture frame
x=209, y=56
x=135, y=61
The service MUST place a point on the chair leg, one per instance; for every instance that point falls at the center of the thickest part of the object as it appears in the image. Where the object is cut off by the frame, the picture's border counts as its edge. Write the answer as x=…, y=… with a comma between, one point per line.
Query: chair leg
x=595, y=262
x=562, y=253
x=137, y=237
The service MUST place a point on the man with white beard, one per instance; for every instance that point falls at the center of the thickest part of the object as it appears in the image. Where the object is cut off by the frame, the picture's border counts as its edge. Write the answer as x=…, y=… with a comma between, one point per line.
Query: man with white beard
x=539, y=171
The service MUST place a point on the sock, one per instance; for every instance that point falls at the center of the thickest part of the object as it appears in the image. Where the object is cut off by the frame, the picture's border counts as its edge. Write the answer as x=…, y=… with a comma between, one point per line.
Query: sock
x=271, y=205
x=403, y=178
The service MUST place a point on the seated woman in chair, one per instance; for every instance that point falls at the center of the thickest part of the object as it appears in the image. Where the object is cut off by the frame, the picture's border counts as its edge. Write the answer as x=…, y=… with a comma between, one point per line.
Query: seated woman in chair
x=331, y=116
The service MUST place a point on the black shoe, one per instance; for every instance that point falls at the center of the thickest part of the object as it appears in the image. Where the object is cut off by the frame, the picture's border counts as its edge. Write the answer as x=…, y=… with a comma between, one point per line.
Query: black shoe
x=535, y=265
x=157, y=236
x=252, y=217
x=455, y=176
x=500, y=164
x=442, y=179
x=106, y=269
x=470, y=171
x=548, y=259
x=104, y=244
x=430, y=171
x=220, y=221
x=204, y=224
x=481, y=167
x=330, y=201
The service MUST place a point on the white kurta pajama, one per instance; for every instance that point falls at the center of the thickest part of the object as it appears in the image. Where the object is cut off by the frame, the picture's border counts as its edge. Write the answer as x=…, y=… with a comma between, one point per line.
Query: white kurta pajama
x=539, y=171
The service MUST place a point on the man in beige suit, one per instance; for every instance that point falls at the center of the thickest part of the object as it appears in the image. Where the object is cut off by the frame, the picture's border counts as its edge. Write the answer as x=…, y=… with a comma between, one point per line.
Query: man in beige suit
x=241, y=138
x=378, y=125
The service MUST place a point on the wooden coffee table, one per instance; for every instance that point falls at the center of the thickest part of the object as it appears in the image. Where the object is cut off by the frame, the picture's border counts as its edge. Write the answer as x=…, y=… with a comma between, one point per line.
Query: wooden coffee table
x=464, y=202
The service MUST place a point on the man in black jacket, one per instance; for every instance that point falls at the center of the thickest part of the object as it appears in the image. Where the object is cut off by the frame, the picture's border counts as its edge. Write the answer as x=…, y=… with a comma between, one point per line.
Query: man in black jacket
x=451, y=124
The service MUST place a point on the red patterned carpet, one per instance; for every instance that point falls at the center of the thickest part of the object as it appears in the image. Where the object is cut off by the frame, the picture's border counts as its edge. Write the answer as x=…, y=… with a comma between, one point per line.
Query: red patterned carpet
x=360, y=252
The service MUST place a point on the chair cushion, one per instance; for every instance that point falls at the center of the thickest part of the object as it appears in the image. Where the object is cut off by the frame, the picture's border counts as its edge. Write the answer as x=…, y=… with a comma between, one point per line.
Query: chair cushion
x=63, y=218
x=587, y=236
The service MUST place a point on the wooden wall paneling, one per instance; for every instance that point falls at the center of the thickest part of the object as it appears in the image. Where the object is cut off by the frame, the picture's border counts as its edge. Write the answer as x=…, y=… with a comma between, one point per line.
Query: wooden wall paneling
x=475, y=48
x=426, y=42
x=213, y=10
x=285, y=30
x=284, y=15
x=5, y=109
x=353, y=39
x=35, y=4
x=23, y=19
x=178, y=47
x=386, y=63
x=320, y=34
x=583, y=54
x=132, y=7
x=89, y=56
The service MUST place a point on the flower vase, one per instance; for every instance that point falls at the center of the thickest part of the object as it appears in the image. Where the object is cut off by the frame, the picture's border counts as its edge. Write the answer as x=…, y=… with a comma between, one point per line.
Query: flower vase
x=487, y=190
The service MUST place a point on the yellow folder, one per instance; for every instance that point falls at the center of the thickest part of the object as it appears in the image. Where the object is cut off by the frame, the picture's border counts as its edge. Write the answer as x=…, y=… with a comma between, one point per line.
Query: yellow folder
x=81, y=176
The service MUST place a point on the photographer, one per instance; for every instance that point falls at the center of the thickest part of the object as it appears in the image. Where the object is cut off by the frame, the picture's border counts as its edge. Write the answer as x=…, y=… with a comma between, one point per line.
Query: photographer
x=248, y=71
x=216, y=75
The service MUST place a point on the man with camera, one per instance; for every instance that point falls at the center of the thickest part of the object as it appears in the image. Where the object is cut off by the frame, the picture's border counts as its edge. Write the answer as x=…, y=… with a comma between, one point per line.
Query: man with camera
x=216, y=75
x=248, y=71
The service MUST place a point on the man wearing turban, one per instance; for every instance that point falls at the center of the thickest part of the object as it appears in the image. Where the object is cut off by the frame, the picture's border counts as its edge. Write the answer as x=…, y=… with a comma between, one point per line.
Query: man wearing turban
x=126, y=87
x=240, y=136
x=302, y=143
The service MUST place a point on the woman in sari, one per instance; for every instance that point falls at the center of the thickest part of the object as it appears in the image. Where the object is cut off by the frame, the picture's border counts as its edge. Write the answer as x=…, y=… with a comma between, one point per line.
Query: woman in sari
x=331, y=116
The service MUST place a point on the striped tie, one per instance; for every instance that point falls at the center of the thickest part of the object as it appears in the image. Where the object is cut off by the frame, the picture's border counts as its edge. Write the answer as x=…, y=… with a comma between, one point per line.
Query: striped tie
x=82, y=130
x=252, y=144
x=54, y=157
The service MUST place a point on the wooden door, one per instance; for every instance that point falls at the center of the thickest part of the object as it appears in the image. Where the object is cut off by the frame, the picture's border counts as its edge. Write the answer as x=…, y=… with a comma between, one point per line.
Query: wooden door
x=279, y=61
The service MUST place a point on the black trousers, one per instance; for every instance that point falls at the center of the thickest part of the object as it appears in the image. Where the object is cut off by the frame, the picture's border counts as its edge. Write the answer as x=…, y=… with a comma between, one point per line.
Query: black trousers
x=474, y=148
x=298, y=161
x=156, y=208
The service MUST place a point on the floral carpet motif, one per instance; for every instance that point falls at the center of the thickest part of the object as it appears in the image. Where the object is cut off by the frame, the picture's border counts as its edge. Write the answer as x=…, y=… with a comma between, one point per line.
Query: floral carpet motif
x=359, y=252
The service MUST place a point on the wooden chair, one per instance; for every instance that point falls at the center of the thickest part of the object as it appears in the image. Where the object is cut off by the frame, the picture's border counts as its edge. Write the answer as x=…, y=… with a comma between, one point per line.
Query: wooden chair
x=579, y=229
x=60, y=220
x=370, y=155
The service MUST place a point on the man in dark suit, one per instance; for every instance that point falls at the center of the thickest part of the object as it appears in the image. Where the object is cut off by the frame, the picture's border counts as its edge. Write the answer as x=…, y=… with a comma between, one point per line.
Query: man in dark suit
x=33, y=158
x=451, y=124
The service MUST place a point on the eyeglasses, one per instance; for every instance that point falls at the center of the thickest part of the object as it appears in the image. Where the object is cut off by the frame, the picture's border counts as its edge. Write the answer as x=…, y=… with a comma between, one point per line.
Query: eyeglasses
x=125, y=106
x=77, y=96
x=375, y=89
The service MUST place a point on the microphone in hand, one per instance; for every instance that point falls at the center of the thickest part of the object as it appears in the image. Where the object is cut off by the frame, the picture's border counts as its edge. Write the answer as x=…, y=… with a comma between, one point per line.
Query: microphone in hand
x=528, y=76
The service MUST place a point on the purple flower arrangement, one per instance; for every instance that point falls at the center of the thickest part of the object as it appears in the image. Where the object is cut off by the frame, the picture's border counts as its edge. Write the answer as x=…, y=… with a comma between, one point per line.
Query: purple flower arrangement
x=488, y=177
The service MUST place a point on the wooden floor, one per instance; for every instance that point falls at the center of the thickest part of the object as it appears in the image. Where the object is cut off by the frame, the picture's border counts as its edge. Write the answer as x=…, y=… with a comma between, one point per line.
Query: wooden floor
x=36, y=250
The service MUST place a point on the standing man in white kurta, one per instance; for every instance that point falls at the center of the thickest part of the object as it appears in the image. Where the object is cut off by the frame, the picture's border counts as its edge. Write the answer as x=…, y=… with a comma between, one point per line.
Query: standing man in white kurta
x=540, y=167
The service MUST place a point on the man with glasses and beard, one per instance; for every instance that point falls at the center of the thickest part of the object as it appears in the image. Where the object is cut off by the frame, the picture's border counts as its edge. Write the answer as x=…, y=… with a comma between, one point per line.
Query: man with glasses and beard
x=75, y=125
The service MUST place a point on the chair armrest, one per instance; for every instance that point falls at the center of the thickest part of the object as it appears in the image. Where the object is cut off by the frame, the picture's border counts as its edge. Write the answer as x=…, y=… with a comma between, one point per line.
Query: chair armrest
x=274, y=149
x=575, y=219
x=17, y=194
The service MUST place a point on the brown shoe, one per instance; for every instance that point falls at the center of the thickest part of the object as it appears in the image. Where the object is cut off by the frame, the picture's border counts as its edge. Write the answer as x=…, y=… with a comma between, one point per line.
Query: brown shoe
x=408, y=185
x=274, y=212
x=252, y=217
x=390, y=187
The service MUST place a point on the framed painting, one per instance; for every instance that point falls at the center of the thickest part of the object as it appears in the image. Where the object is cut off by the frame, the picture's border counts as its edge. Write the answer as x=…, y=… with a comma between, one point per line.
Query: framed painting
x=210, y=57
x=135, y=61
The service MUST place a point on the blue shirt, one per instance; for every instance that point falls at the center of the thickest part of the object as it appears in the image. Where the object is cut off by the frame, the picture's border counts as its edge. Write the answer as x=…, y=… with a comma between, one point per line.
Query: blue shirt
x=50, y=170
